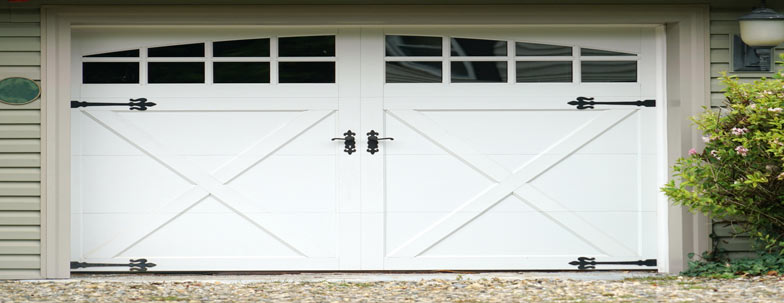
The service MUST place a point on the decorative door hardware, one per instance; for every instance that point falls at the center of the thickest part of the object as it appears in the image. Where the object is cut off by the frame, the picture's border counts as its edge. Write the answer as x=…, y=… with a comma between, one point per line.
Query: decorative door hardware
x=135, y=104
x=373, y=141
x=136, y=265
x=585, y=102
x=349, y=141
x=585, y=263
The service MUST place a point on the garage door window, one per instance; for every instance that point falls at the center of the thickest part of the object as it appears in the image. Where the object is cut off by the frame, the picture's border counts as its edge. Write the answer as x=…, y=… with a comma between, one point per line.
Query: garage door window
x=305, y=59
x=414, y=59
x=427, y=59
x=609, y=71
x=185, y=50
x=121, y=54
x=110, y=72
x=242, y=48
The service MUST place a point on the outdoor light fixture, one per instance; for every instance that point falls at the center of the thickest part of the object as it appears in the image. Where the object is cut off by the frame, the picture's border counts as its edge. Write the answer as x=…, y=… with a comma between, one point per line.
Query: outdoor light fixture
x=760, y=32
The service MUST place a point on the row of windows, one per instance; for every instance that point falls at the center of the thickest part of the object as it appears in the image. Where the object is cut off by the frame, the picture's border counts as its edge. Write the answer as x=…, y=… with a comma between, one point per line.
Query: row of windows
x=311, y=46
x=408, y=61
x=426, y=46
x=496, y=71
x=161, y=71
x=194, y=72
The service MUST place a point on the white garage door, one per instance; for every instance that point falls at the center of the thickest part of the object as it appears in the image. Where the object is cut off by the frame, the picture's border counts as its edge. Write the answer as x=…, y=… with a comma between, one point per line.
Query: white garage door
x=490, y=168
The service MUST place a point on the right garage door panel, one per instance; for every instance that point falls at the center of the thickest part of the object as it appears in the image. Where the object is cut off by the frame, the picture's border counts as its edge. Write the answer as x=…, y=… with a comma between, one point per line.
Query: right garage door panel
x=507, y=175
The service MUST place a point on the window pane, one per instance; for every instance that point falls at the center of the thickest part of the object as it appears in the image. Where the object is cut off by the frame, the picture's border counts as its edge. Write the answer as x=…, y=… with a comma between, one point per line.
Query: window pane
x=598, y=52
x=478, y=71
x=241, y=48
x=535, y=49
x=413, y=72
x=307, y=72
x=175, y=72
x=121, y=54
x=478, y=47
x=609, y=71
x=185, y=50
x=110, y=72
x=413, y=46
x=241, y=72
x=314, y=46
x=544, y=71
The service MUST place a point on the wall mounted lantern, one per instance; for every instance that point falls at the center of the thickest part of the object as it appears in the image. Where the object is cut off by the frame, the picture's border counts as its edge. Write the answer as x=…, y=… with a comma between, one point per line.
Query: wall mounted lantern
x=760, y=32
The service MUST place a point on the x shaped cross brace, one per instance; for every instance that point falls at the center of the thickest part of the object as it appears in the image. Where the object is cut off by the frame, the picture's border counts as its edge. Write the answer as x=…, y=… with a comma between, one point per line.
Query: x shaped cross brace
x=206, y=184
x=511, y=183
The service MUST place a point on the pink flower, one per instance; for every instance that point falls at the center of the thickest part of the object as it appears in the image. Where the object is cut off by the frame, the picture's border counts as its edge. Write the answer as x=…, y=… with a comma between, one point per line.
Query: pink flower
x=707, y=139
x=753, y=105
x=741, y=150
x=739, y=131
x=775, y=110
x=692, y=152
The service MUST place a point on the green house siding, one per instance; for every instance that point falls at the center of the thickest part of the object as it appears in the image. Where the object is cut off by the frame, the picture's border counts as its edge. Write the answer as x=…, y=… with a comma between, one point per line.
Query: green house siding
x=20, y=149
x=723, y=26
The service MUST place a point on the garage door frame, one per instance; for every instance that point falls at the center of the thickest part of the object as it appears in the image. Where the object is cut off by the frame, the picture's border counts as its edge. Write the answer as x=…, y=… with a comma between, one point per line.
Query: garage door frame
x=686, y=83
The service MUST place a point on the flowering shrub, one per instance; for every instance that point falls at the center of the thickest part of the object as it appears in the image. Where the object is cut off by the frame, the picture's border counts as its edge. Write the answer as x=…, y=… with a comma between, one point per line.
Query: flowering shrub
x=739, y=175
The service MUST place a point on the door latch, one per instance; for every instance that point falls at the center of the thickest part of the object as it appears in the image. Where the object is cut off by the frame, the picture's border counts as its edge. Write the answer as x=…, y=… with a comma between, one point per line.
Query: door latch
x=349, y=141
x=373, y=141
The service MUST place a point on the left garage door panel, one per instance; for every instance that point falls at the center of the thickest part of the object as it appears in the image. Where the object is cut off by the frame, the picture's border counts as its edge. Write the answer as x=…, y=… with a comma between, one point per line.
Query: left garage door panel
x=220, y=174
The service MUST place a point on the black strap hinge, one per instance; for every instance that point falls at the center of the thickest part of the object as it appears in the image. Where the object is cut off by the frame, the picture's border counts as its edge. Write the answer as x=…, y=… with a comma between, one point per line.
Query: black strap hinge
x=585, y=263
x=586, y=102
x=134, y=104
x=136, y=265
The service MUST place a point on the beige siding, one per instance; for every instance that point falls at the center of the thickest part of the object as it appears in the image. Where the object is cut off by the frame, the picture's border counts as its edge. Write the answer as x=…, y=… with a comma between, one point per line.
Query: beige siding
x=20, y=203
x=20, y=147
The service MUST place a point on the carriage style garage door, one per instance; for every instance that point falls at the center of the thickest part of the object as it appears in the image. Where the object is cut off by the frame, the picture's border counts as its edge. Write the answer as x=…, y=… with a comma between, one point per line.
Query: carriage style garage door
x=235, y=167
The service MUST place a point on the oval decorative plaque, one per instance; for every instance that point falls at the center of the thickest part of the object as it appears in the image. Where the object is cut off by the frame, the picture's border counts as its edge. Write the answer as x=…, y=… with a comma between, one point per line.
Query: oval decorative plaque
x=18, y=90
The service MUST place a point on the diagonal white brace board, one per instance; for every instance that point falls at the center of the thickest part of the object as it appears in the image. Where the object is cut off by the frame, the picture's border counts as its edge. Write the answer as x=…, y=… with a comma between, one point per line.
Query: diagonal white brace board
x=451, y=144
x=572, y=222
x=472, y=209
x=205, y=184
x=269, y=144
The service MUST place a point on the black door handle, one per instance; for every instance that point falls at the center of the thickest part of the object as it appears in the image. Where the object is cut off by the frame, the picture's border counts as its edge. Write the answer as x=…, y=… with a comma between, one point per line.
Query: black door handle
x=373, y=141
x=349, y=141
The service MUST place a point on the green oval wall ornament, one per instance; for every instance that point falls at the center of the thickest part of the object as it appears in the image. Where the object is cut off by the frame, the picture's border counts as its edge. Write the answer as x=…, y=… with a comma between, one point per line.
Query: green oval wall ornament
x=18, y=90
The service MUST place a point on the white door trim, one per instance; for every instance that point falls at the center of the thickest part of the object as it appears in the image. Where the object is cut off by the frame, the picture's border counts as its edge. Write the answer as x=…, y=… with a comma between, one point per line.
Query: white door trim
x=686, y=85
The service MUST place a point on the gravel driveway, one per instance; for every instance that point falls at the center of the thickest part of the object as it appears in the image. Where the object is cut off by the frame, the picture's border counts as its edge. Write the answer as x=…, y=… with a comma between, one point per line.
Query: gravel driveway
x=456, y=288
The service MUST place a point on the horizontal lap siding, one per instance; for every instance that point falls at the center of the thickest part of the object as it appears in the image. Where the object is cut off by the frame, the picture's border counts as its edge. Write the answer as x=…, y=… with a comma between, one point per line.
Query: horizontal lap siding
x=20, y=149
x=723, y=25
